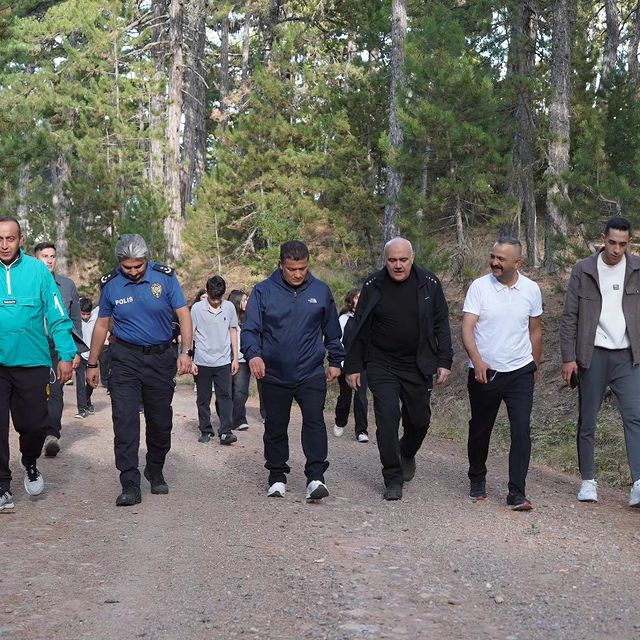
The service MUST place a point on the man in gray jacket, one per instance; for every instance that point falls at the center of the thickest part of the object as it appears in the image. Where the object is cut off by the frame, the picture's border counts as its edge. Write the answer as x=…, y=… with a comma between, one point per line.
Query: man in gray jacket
x=600, y=347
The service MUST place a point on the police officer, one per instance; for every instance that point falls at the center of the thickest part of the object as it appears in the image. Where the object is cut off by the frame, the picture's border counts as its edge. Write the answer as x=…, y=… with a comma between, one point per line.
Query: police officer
x=139, y=299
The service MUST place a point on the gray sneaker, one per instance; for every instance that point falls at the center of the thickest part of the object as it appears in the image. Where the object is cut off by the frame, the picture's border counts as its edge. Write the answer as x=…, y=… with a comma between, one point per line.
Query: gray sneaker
x=33, y=480
x=6, y=502
x=51, y=446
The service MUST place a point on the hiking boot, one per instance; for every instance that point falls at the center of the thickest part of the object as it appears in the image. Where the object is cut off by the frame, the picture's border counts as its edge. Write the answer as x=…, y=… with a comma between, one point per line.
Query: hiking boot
x=242, y=427
x=130, y=496
x=204, y=437
x=363, y=436
x=159, y=485
x=337, y=431
x=6, y=501
x=228, y=438
x=316, y=490
x=33, y=480
x=588, y=491
x=277, y=490
x=394, y=492
x=517, y=502
x=408, y=468
x=51, y=446
x=478, y=490
x=634, y=498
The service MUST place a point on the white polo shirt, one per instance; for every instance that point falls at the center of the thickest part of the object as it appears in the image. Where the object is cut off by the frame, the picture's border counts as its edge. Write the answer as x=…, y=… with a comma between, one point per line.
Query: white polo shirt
x=502, y=331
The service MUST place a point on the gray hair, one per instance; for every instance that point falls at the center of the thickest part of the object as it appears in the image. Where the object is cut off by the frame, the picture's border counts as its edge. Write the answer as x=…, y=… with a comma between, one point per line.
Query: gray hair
x=514, y=242
x=131, y=246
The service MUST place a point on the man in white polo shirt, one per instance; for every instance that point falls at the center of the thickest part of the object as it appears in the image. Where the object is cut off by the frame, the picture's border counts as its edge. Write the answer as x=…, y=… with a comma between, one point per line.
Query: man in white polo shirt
x=600, y=347
x=215, y=358
x=502, y=333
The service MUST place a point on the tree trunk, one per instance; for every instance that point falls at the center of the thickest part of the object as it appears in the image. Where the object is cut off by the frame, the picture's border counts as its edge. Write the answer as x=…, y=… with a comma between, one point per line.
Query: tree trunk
x=224, y=71
x=59, y=180
x=194, y=143
x=174, y=222
x=521, y=62
x=22, y=209
x=394, y=176
x=612, y=42
x=244, y=78
x=634, y=43
x=557, y=224
x=157, y=93
x=270, y=23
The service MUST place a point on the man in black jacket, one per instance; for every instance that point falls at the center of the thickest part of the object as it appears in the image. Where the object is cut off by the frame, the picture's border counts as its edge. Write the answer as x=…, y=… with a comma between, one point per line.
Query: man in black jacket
x=402, y=339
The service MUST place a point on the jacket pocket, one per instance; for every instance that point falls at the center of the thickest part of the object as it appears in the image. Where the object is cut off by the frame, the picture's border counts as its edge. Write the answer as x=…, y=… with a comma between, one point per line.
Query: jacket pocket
x=16, y=313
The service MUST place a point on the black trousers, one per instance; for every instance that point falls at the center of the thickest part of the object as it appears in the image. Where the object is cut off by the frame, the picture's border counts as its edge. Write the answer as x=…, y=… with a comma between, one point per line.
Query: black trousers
x=23, y=394
x=220, y=379
x=84, y=390
x=515, y=388
x=105, y=365
x=310, y=396
x=152, y=377
x=360, y=404
x=392, y=387
x=55, y=404
x=240, y=394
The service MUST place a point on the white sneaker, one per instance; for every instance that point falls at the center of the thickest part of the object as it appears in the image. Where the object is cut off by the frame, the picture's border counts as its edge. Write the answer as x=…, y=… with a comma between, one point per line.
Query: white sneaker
x=363, y=437
x=33, y=480
x=589, y=491
x=6, y=501
x=337, y=431
x=277, y=490
x=316, y=490
x=243, y=427
x=634, y=498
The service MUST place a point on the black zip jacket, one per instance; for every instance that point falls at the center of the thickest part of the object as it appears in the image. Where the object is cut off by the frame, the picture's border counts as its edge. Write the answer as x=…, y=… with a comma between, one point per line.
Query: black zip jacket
x=434, y=348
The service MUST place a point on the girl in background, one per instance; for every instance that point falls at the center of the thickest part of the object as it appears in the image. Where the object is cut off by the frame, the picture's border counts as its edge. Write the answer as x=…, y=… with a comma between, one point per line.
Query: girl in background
x=240, y=382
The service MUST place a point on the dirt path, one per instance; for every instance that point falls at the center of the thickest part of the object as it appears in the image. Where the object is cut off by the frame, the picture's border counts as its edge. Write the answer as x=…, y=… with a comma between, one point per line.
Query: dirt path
x=217, y=559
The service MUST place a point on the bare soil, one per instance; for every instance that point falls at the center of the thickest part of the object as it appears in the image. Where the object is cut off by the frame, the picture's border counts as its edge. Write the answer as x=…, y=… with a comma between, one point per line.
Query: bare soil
x=217, y=559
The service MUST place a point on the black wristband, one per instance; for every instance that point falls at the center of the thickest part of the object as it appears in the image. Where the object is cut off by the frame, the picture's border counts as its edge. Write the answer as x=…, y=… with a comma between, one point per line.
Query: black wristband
x=91, y=366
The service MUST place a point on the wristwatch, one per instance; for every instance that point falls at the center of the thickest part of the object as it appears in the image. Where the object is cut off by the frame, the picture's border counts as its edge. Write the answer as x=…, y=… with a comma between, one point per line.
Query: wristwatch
x=187, y=352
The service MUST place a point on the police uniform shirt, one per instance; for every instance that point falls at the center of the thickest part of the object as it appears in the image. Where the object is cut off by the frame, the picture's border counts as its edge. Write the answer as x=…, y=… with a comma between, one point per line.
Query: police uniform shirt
x=142, y=311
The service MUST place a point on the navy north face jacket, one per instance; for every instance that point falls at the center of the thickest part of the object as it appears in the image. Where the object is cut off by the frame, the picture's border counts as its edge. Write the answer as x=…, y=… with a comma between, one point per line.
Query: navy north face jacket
x=291, y=328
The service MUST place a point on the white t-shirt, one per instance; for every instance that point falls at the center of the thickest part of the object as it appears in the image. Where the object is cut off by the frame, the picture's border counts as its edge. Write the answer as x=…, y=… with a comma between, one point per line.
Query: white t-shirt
x=612, y=328
x=502, y=331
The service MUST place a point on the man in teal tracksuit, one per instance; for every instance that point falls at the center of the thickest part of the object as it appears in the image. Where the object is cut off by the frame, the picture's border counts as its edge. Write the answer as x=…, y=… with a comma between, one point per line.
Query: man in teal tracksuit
x=30, y=307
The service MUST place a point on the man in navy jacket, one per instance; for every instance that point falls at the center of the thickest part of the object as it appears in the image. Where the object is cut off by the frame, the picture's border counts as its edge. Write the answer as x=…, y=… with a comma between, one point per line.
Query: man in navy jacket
x=290, y=322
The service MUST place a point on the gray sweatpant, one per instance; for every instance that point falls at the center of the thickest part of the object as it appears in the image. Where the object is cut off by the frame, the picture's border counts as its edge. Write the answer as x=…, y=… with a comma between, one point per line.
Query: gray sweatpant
x=613, y=368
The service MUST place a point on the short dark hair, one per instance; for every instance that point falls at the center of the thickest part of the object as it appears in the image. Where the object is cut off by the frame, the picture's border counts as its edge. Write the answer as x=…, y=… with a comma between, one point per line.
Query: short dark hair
x=86, y=305
x=293, y=250
x=41, y=246
x=216, y=286
x=505, y=239
x=11, y=219
x=619, y=223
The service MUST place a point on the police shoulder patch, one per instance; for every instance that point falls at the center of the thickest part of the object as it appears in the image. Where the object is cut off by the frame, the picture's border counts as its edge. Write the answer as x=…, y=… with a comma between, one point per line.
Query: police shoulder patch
x=163, y=268
x=108, y=276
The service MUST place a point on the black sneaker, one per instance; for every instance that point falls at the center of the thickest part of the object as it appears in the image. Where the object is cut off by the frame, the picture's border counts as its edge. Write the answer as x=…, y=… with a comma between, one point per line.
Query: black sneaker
x=517, y=502
x=159, y=485
x=204, y=437
x=130, y=496
x=408, y=468
x=91, y=410
x=394, y=492
x=478, y=490
x=6, y=501
x=228, y=438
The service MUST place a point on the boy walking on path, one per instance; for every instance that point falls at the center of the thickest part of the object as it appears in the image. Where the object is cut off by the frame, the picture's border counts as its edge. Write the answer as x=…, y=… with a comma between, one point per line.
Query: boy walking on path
x=215, y=359
x=83, y=388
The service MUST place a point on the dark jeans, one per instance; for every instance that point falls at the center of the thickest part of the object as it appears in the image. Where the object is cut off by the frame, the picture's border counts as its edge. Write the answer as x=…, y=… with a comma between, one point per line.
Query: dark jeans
x=55, y=405
x=360, y=404
x=23, y=393
x=310, y=396
x=515, y=388
x=83, y=389
x=263, y=413
x=220, y=378
x=390, y=388
x=240, y=394
x=151, y=376
x=613, y=368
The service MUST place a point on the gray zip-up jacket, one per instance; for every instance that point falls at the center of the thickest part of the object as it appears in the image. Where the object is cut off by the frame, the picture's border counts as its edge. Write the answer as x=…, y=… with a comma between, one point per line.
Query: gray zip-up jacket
x=582, y=307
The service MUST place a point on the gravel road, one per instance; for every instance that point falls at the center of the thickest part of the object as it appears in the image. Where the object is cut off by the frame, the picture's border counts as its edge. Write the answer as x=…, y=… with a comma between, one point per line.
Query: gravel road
x=217, y=559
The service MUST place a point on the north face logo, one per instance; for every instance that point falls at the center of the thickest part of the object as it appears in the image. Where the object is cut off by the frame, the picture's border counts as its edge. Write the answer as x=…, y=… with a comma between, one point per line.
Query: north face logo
x=312, y=301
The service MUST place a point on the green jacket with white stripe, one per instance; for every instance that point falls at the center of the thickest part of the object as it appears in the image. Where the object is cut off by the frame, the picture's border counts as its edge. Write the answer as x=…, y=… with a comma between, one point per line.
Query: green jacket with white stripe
x=31, y=308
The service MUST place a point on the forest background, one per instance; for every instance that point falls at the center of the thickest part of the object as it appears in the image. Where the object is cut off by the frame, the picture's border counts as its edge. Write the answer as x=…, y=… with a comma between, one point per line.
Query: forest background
x=219, y=129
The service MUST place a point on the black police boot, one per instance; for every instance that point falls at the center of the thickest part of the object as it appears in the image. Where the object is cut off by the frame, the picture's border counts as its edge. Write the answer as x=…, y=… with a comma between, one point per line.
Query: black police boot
x=130, y=495
x=393, y=492
x=408, y=468
x=158, y=483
